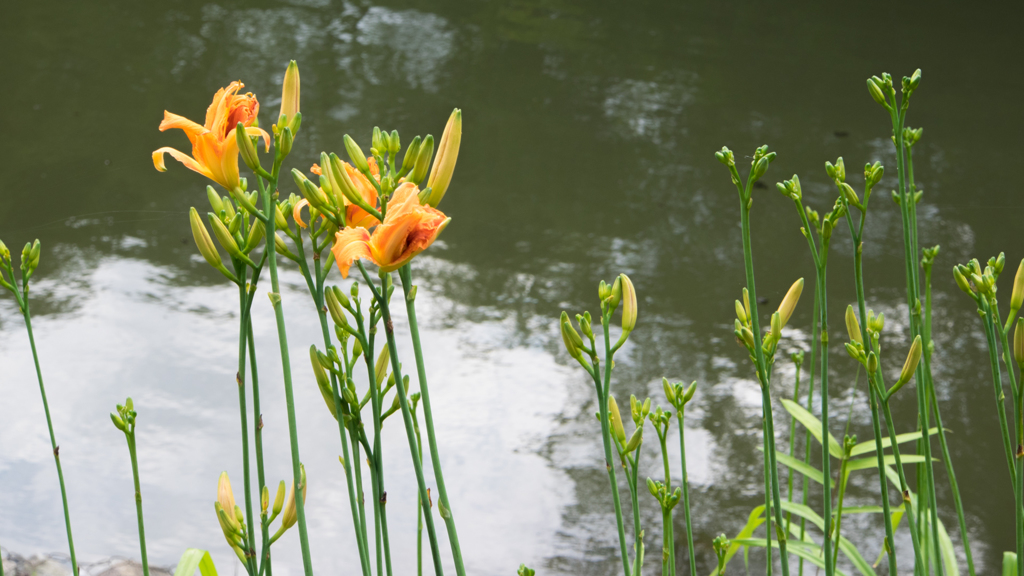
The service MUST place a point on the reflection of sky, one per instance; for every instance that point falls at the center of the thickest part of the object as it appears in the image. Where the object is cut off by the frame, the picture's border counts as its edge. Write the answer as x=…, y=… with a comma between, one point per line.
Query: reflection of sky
x=587, y=152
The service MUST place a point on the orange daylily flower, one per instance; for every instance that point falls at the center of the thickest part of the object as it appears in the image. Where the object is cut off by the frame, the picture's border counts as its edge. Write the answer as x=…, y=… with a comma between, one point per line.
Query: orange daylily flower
x=354, y=215
x=214, y=148
x=407, y=230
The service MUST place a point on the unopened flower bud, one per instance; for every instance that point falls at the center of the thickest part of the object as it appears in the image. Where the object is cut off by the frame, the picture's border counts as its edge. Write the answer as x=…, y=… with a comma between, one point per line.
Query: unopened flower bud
x=203, y=240
x=289, y=516
x=909, y=366
x=872, y=363
x=409, y=160
x=725, y=156
x=853, y=326
x=876, y=92
x=628, y=304
x=279, y=498
x=1017, y=296
x=615, y=295
x=336, y=300
x=849, y=195
x=224, y=236
x=570, y=337
x=447, y=154
x=776, y=326
x=246, y=148
x=652, y=487
x=688, y=395
x=670, y=392
x=634, y=440
x=256, y=233
x=1018, y=343
x=615, y=421
x=226, y=499
x=290, y=96
x=355, y=154
x=286, y=142
x=118, y=422
x=790, y=300
x=322, y=382
x=961, y=281
x=877, y=323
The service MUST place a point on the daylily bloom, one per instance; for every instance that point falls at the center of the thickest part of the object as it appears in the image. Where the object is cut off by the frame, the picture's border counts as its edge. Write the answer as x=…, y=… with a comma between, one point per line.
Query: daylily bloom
x=214, y=148
x=408, y=229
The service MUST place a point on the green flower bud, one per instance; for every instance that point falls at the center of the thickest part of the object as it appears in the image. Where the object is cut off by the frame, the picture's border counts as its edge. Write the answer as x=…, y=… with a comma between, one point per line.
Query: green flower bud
x=789, y=301
x=670, y=392
x=1018, y=343
x=279, y=498
x=876, y=92
x=203, y=240
x=246, y=149
x=635, y=440
x=215, y=201
x=256, y=234
x=409, y=160
x=447, y=155
x=909, y=366
x=224, y=236
x=741, y=314
x=334, y=297
x=355, y=154
x=628, y=304
x=285, y=142
x=426, y=152
x=853, y=326
x=615, y=421
x=961, y=281
x=688, y=395
x=118, y=422
x=872, y=363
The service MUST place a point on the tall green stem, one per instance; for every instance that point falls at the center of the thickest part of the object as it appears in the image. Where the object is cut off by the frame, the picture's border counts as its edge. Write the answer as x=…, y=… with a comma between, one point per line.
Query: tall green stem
x=405, y=273
x=243, y=334
x=686, y=493
x=792, y=444
x=766, y=402
x=668, y=537
x=603, y=393
x=49, y=425
x=403, y=400
x=261, y=476
x=138, y=504
x=282, y=336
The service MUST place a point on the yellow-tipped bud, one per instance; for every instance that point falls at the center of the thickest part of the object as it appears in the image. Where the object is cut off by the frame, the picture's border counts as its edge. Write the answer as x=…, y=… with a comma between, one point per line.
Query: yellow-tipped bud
x=224, y=236
x=335, y=298
x=670, y=392
x=876, y=92
x=776, y=326
x=290, y=516
x=279, y=498
x=290, y=95
x=746, y=303
x=264, y=500
x=355, y=154
x=747, y=336
x=1017, y=296
x=909, y=367
x=246, y=148
x=790, y=299
x=741, y=313
x=322, y=381
x=853, y=326
x=688, y=395
x=426, y=151
x=1018, y=343
x=256, y=233
x=444, y=162
x=628, y=304
x=571, y=338
x=634, y=440
x=961, y=281
x=226, y=499
x=203, y=240
x=615, y=421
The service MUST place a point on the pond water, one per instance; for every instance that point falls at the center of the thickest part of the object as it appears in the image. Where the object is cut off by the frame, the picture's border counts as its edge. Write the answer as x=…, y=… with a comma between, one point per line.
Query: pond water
x=587, y=151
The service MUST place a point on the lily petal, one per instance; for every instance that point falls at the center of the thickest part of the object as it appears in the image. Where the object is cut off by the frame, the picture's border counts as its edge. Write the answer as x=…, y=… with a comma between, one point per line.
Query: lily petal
x=188, y=161
x=350, y=245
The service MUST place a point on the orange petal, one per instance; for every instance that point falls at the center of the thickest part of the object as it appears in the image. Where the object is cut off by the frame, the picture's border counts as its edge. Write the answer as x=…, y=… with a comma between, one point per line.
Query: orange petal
x=220, y=158
x=172, y=121
x=297, y=212
x=254, y=131
x=405, y=233
x=188, y=161
x=350, y=245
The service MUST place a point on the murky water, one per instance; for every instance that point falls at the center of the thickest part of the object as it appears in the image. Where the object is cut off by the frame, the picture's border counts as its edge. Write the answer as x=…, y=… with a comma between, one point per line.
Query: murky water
x=589, y=133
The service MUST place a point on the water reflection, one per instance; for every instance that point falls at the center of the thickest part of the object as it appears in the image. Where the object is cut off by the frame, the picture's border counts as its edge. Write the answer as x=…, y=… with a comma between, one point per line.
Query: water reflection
x=588, y=144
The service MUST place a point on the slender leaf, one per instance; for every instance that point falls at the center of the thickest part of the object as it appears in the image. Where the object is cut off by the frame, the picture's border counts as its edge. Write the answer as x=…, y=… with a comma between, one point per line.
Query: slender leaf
x=808, y=552
x=867, y=510
x=948, y=554
x=813, y=425
x=193, y=559
x=755, y=519
x=890, y=460
x=845, y=545
x=800, y=466
x=868, y=446
x=1009, y=563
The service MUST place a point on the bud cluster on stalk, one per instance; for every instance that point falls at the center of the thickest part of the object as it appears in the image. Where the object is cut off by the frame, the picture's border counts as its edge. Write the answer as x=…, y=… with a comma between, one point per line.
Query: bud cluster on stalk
x=232, y=518
x=29, y=262
x=620, y=291
x=639, y=411
x=744, y=326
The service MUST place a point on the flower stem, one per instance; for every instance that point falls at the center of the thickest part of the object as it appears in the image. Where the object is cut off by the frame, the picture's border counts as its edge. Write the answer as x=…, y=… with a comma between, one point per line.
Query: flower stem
x=243, y=334
x=282, y=337
x=405, y=273
x=403, y=400
x=138, y=503
x=686, y=493
x=49, y=425
x=261, y=478
x=603, y=393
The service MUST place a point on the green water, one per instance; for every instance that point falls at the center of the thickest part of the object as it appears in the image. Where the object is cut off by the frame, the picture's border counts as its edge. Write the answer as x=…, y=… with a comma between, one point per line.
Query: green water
x=589, y=130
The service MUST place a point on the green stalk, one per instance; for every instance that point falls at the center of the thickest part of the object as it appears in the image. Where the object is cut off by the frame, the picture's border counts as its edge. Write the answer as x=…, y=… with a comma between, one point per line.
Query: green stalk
x=792, y=444
x=405, y=273
x=767, y=494
x=316, y=292
x=997, y=384
x=258, y=435
x=686, y=494
x=130, y=436
x=1018, y=494
x=766, y=402
x=603, y=392
x=843, y=477
x=668, y=544
x=282, y=337
x=805, y=497
x=49, y=425
x=631, y=481
x=419, y=503
x=403, y=400
x=243, y=333
x=857, y=235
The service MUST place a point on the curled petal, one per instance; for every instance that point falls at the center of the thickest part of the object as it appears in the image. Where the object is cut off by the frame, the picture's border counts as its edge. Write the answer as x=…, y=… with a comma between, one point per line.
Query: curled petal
x=350, y=245
x=297, y=212
x=172, y=121
x=254, y=131
x=188, y=161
